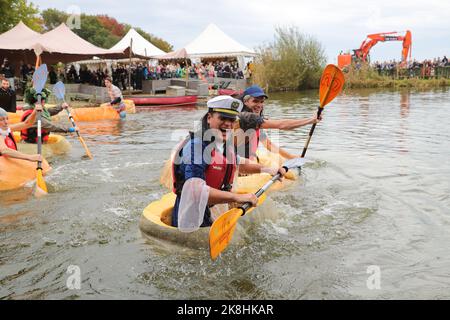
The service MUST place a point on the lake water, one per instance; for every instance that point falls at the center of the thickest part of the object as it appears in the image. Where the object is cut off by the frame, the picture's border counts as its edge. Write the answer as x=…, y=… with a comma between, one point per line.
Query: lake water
x=369, y=218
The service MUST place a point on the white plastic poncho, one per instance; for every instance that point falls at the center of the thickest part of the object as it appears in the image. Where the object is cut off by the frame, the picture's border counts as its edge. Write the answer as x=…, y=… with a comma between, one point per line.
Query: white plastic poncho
x=193, y=202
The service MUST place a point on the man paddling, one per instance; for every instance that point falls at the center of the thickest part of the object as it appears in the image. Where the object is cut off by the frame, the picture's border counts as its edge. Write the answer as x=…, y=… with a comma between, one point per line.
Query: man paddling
x=204, y=165
x=8, y=145
x=29, y=135
x=116, y=98
x=253, y=99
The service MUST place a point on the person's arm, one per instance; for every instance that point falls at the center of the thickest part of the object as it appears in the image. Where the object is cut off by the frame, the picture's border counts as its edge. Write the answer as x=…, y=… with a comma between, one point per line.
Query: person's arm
x=276, y=149
x=248, y=166
x=288, y=124
x=5, y=151
x=28, y=123
x=55, y=110
x=50, y=126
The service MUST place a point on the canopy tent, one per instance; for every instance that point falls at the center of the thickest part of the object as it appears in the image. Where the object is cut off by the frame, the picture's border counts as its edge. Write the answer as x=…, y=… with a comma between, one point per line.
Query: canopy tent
x=213, y=42
x=58, y=45
x=140, y=45
x=177, y=54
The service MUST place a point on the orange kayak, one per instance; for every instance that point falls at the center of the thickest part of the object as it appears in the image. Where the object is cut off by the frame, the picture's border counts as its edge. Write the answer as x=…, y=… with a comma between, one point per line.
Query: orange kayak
x=104, y=112
x=15, y=173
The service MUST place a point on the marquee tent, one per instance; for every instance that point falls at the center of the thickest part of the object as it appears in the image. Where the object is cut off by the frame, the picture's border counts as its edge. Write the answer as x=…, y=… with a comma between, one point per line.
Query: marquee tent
x=58, y=45
x=140, y=45
x=213, y=42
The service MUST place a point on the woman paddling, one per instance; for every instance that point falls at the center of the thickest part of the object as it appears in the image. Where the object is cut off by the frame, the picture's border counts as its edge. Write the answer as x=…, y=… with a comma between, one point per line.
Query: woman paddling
x=204, y=166
x=8, y=145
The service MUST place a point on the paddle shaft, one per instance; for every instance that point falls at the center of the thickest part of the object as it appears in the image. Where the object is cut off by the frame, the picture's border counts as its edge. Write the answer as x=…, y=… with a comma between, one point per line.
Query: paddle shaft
x=263, y=189
x=311, y=131
x=73, y=121
x=39, y=133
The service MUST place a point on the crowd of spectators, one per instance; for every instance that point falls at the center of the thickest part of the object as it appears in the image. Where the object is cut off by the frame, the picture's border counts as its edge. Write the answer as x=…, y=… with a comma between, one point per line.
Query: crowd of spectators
x=427, y=68
x=142, y=71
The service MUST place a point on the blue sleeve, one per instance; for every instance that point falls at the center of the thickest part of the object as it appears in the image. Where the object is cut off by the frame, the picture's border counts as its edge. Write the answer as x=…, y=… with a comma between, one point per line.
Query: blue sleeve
x=194, y=164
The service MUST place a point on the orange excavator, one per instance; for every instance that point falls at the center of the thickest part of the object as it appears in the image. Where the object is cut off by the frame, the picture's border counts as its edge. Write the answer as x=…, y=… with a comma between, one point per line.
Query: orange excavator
x=372, y=39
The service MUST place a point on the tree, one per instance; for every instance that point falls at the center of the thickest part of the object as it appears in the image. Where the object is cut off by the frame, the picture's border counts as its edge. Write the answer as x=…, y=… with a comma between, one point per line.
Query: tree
x=293, y=61
x=14, y=11
x=53, y=18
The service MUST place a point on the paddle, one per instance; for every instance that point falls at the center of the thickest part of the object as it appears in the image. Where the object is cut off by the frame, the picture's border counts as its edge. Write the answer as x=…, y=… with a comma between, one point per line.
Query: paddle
x=39, y=79
x=223, y=228
x=59, y=90
x=331, y=84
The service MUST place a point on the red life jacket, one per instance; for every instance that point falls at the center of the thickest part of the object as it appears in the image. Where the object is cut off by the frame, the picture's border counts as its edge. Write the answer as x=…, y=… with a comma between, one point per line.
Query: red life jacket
x=30, y=135
x=253, y=144
x=10, y=142
x=219, y=174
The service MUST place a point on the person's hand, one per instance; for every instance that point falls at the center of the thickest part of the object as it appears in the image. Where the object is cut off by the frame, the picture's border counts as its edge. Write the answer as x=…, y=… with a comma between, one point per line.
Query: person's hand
x=316, y=119
x=247, y=197
x=65, y=105
x=35, y=157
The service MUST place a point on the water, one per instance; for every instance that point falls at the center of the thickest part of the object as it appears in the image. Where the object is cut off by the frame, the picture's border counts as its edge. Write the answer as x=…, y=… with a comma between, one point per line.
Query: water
x=375, y=193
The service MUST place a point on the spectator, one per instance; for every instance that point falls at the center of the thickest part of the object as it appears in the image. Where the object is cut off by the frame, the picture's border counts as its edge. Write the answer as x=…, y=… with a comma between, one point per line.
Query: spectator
x=52, y=76
x=8, y=72
x=7, y=97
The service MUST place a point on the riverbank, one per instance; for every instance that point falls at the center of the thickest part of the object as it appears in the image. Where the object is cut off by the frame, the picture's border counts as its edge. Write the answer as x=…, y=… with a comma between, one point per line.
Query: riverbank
x=366, y=77
x=386, y=82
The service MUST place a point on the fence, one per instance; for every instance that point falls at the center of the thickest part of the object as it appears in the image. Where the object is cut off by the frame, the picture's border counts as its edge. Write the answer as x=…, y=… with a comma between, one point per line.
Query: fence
x=423, y=72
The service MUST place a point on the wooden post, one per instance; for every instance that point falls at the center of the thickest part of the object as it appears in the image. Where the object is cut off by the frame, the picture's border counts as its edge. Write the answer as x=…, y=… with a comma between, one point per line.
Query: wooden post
x=129, y=67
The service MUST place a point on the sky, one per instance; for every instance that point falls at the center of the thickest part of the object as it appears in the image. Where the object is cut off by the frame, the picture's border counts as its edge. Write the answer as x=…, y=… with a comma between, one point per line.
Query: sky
x=337, y=25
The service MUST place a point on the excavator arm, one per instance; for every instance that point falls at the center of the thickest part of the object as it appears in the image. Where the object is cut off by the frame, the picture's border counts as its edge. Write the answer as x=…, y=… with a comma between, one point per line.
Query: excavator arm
x=373, y=39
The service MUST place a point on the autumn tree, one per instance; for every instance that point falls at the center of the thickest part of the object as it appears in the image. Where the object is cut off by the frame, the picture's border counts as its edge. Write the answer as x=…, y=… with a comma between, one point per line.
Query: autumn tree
x=14, y=11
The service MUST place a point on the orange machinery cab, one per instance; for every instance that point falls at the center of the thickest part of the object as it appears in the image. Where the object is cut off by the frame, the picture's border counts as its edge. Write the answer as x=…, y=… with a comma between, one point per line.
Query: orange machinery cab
x=344, y=60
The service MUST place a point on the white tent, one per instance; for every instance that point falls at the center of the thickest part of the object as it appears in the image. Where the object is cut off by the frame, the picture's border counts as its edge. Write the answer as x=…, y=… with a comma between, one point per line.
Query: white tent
x=140, y=45
x=213, y=42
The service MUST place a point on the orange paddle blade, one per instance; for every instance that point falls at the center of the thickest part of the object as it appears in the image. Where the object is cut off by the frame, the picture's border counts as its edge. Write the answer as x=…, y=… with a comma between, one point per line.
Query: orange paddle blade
x=331, y=84
x=88, y=153
x=41, y=186
x=222, y=230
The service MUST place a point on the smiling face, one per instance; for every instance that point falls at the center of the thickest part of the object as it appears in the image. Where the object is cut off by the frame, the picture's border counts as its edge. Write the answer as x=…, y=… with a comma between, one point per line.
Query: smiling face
x=221, y=123
x=255, y=104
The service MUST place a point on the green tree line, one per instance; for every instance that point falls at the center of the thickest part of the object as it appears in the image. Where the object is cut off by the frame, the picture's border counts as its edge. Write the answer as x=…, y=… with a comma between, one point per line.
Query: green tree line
x=100, y=30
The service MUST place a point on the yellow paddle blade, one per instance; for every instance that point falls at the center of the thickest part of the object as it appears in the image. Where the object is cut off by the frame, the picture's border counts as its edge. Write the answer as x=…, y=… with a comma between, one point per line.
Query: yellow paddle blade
x=223, y=228
x=331, y=84
x=41, y=186
x=88, y=153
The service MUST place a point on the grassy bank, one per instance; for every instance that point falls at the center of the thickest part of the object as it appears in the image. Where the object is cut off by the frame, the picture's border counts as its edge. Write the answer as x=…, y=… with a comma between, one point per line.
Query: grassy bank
x=366, y=77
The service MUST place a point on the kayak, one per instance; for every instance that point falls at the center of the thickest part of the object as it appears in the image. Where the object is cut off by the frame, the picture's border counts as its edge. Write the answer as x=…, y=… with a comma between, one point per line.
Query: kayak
x=164, y=100
x=15, y=173
x=253, y=181
x=156, y=220
x=56, y=145
x=103, y=112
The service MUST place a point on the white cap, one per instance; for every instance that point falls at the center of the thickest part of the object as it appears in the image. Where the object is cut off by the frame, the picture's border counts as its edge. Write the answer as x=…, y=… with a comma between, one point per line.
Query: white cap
x=226, y=105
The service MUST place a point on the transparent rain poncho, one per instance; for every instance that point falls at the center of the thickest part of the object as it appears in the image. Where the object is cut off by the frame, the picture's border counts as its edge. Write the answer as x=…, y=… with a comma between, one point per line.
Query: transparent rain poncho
x=193, y=202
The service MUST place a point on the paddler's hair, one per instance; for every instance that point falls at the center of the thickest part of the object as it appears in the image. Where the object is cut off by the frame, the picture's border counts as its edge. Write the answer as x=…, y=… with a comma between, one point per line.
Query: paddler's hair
x=30, y=95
